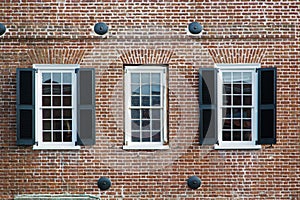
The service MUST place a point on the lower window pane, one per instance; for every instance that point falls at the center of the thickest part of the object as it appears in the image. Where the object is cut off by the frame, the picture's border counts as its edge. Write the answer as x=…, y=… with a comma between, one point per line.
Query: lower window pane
x=135, y=136
x=67, y=125
x=156, y=136
x=226, y=136
x=146, y=136
x=46, y=136
x=237, y=136
x=57, y=137
x=67, y=137
x=247, y=136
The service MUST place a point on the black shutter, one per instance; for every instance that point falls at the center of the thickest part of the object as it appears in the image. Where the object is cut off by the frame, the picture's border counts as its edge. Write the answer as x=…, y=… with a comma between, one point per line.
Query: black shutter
x=25, y=106
x=208, y=105
x=267, y=106
x=86, y=106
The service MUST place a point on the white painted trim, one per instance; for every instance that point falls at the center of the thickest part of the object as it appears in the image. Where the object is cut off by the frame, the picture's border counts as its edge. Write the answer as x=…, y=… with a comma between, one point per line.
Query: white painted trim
x=56, y=66
x=236, y=146
x=148, y=146
x=55, y=147
x=238, y=66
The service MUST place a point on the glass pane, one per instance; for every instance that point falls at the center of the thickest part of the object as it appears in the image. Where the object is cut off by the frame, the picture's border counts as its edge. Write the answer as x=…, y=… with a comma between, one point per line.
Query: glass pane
x=247, y=123
x=67, y=78
x=135, y=114
x=156, y=125
x=57, y=113
x=57, y=137
x=237, y=88
x=145, y=114
x=46, y=89
x=56, y=78
x=135, y=78
x=226, y=88
x=155, y=90
x=145, y=101
x=67, y=101
x=67, y=125
x=67, y=89
x=247, y=88
x=46, y=77
x=237, y=100
x=135, y=125
x=56, y=101
x=146, y=89
x=247, y=100
x=67, y=137
x=247, y=136
x=155, y=101
x=46, y=100
x=46, y=136
x=146, y=136
x=135, y=136
x=135, y=101
x=156, y=114
x=246, y=112
x=236, y=113
x=226, y=136
x=227, y=124
x=227, y=100
x=135, y=90
x=67, y=113
x=156, y=136
x=57, y=125
x=237, y=136
x=145, y=78
x=156, y=78
x=46, y=113
x=226, y=112
x=145, y=124
x=227, y=77
x=247, y=77
x=237, y=77
x=56, y=89
x=46, y=125
x=237, y=124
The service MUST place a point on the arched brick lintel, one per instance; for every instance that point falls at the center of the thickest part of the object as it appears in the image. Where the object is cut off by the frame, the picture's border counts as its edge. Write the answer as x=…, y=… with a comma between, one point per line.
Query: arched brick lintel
x=55, y=56
x=237, y=55
x=145, y=56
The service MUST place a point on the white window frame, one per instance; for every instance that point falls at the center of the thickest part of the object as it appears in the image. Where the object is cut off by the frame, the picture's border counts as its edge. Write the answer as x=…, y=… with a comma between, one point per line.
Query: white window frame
x=163, y=144
x=41, y=68
x=237, y=144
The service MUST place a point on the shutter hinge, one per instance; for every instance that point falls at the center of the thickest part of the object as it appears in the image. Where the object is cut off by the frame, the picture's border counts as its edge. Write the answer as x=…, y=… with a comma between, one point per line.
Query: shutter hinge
x=76, y=143
x=256, y=70
x=36, y=143
x=76, y=70
x=256, y=142
x=217, y=142
x=35, y=70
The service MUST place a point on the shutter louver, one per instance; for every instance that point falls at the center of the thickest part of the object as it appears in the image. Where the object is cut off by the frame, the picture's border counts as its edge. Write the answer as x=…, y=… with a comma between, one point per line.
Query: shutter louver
x=25, y=106
x=85, y=106
x=208, y=105
x=267, y=106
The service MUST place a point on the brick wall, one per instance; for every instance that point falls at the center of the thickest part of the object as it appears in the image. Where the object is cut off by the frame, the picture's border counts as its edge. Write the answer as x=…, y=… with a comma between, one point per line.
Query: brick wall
x=152, y=32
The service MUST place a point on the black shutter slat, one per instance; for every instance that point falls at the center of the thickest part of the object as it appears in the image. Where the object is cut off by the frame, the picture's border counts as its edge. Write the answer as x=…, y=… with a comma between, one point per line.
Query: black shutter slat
x=208, y=105
x=86, y=106
x=25, y=106
x=267, y=106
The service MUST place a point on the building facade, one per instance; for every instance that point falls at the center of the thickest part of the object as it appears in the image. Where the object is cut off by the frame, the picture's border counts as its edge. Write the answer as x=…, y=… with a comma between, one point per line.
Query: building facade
x=149, y=104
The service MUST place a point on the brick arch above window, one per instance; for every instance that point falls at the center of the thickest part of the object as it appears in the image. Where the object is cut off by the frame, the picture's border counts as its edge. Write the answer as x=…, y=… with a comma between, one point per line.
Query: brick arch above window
x=56, y=56
x=237, y=55
x=146, y=56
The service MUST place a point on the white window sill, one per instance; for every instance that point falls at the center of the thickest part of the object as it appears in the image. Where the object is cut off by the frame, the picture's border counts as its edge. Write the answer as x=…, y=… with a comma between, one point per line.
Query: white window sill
x=145, y=147
x=55, y=147
x=234, y=146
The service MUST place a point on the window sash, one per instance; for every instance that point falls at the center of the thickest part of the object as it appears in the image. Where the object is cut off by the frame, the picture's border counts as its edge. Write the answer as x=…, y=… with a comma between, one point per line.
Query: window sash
x=129, y=107
x=221, y=106
x=39, y=108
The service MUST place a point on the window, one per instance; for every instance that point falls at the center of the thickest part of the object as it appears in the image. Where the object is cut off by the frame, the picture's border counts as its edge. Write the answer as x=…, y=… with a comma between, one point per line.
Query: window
x=145, y=107
x=55, y=107
x=233, y=112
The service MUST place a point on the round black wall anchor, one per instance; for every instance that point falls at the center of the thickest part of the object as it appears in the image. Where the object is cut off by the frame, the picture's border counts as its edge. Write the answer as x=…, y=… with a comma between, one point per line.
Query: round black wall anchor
x=2, y=29
x=104, y=183
x=194, y=182
x=195, y=28
x=101, y=28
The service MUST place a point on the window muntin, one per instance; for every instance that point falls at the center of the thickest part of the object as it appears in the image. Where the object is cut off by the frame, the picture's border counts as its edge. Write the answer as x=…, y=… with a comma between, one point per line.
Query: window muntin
x=145, y=101
x=237, y=105
x=55, y=106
